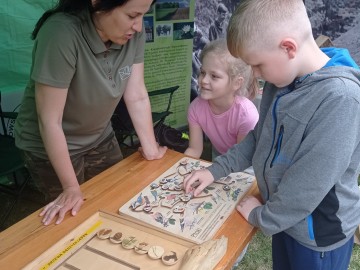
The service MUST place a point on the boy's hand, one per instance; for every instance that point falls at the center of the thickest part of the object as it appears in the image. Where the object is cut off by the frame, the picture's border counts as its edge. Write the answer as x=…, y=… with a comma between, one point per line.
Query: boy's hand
x=196, y=181
x=246, y=205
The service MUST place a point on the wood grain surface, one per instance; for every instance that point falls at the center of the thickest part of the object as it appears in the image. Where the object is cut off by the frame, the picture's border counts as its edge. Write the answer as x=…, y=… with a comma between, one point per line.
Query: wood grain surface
x=29, y=238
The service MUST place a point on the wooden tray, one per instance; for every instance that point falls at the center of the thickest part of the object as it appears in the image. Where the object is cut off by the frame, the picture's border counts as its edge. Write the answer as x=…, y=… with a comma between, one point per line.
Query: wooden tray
x=200, y=217
x=82, y=249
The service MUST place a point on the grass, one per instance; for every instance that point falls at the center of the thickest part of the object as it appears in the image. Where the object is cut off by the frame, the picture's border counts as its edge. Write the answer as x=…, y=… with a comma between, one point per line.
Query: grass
x=258, y=255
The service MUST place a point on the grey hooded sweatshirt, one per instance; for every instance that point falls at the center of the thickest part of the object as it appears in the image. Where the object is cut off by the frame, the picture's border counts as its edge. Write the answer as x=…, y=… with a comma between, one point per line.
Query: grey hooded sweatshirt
x=305, y=152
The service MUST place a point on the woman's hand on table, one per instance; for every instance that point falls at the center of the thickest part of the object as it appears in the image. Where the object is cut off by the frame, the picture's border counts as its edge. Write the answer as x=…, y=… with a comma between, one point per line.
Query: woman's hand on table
x=70, y=199
x=157, y=154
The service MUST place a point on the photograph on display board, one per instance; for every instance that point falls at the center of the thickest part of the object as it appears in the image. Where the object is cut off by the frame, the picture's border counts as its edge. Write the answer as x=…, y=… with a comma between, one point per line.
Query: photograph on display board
x=164, y=30
x=339, y=20
x=172, y=10
x=183, y=30
x=149, y=28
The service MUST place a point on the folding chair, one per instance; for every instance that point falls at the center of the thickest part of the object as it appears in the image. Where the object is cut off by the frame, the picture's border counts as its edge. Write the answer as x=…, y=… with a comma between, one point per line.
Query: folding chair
x=122, y=124
x=13, y=173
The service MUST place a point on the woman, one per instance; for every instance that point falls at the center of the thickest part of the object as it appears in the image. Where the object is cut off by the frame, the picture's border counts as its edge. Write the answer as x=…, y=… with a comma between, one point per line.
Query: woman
x=87, y=55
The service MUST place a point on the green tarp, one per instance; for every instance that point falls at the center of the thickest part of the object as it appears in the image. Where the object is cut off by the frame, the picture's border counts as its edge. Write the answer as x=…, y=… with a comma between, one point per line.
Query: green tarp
x=17, y=20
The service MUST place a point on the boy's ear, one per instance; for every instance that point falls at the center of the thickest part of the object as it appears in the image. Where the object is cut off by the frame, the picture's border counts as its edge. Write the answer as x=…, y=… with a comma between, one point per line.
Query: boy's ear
x=289, y=46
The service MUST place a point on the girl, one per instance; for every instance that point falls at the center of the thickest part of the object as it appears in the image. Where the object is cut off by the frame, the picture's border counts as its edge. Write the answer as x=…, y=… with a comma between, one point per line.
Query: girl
x=223, y=110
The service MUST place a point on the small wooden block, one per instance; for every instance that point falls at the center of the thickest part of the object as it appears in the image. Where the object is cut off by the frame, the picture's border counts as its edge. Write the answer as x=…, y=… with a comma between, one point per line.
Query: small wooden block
x=116, y=238
x=129, y=242
x=170, y=258
x=104, y=233
x=155, y=252
x=324, y=41
x=142, y=248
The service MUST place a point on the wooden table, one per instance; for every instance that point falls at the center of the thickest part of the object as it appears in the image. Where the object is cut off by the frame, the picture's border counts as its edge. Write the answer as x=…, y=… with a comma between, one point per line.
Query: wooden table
x=27, y=239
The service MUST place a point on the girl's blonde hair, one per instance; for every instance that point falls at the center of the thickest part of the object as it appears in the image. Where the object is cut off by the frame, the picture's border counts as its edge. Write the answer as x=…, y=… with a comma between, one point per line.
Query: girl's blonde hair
x=236, y=67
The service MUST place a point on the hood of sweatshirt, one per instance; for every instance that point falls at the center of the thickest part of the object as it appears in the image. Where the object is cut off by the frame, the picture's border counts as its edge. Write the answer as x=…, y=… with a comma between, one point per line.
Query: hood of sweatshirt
x=340, y=65
x=339, y=57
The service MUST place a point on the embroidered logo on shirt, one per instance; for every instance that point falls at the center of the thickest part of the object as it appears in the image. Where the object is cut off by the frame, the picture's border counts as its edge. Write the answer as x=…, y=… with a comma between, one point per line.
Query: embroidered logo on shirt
x=125, y=72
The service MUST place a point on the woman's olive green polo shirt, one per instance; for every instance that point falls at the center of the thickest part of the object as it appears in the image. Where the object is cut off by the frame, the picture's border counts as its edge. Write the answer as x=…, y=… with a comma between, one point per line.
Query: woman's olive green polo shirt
x=68, y=53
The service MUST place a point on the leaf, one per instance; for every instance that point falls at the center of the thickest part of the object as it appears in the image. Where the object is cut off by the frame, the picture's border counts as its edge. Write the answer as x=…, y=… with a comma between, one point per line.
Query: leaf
x=208, y=205
x=172, y=221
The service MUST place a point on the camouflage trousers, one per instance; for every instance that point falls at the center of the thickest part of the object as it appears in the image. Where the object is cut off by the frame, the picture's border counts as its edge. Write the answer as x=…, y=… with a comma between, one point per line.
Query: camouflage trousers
x=86, y=165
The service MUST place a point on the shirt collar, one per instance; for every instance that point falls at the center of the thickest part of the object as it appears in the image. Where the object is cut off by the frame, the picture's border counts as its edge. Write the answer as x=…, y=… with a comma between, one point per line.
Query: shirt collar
x=91, y=35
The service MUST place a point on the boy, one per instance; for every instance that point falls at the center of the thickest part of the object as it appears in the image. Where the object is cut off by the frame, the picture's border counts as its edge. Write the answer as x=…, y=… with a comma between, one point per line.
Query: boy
x=305, y=149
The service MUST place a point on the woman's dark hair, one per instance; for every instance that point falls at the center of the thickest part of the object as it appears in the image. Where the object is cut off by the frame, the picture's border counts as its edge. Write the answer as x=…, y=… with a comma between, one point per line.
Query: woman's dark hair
x=76, y=6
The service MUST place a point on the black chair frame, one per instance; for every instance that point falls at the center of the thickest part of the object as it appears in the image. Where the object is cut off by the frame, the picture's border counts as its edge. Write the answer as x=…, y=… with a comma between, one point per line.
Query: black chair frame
x=11, y=165
x=122, y=124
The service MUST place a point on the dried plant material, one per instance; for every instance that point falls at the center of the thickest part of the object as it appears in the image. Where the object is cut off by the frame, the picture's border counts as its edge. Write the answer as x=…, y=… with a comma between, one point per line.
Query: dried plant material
x=205, y=256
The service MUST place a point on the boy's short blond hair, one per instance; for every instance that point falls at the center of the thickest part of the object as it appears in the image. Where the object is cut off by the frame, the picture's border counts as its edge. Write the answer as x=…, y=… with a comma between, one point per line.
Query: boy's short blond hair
x=261, y=24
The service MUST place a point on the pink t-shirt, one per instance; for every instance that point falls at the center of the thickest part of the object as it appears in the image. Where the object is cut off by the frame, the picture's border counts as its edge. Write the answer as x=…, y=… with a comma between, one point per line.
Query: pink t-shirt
x=223, y=129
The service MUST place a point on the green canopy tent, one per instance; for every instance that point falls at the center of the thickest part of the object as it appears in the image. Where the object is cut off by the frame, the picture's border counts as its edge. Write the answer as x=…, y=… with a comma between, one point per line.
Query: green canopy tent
x=17, y=20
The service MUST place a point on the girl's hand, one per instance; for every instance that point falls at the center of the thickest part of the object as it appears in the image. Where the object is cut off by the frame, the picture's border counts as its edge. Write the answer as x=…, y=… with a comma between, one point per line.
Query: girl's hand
x=70, y=199
x=196, y=181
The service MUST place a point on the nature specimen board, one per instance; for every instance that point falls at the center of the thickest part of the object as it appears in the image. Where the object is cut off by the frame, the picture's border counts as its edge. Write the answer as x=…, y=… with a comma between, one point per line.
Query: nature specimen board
x=82, y=248
x=164, y=205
